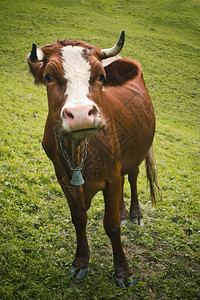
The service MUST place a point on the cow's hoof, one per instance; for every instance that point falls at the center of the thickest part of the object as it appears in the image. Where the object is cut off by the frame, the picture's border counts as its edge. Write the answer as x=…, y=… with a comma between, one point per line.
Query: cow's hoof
x=82, y=274
x=137, y=221
x=125, y=282
x=78, y=273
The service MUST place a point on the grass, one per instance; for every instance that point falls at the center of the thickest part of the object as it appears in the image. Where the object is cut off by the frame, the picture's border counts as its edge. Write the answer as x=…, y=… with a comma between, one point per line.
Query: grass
x=37, y=242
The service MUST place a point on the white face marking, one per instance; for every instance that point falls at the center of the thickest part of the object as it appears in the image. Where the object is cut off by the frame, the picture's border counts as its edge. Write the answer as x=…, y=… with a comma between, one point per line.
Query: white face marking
x=77, y=73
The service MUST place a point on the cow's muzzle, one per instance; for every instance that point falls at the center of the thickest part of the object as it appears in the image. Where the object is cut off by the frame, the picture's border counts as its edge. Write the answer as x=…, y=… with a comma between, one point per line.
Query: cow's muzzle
x=81, y=120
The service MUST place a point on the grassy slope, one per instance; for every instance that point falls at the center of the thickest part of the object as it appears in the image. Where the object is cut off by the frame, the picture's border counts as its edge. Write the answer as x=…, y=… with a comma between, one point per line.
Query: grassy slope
x=37, y=238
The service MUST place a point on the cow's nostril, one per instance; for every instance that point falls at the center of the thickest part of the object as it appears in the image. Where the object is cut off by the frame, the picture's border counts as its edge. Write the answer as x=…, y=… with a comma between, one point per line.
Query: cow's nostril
x=93, y=111
x=67, y=114
x=70, y=115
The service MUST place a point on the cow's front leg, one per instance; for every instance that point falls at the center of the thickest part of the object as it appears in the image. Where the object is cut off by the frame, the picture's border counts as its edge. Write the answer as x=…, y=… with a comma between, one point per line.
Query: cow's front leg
x=80, y=265
x=112, y=193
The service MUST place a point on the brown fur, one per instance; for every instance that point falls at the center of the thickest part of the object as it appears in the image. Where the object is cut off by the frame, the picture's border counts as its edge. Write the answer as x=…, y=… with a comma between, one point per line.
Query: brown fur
x=120, y=71
x=114, y=152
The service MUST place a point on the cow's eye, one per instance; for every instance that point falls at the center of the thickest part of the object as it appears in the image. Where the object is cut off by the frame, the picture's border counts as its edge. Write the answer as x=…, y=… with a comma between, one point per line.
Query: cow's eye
x=48, y=78
x=101, y=77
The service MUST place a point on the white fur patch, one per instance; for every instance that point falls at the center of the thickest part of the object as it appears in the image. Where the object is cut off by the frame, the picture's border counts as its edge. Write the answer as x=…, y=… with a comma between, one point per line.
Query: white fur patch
x=77, y=73
x=40, y=54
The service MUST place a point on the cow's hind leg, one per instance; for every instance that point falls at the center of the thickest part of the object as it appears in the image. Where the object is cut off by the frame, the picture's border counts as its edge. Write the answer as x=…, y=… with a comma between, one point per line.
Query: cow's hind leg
x=135, y=210
x=122, y=206
x=112, y=193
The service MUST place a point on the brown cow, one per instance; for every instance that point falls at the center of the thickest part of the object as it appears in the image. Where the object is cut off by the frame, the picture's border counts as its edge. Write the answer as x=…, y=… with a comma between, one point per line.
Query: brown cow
x=100, y=127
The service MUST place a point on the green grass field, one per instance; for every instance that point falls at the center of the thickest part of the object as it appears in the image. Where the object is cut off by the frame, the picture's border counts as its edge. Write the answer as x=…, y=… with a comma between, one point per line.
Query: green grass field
x=37, y=238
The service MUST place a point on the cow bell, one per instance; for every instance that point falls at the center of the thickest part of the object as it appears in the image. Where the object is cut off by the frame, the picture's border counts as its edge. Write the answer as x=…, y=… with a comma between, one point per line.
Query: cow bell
x=77, y=178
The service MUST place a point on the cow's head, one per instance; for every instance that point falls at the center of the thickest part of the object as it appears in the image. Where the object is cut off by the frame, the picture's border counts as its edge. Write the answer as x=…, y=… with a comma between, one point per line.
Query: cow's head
x=74, y=76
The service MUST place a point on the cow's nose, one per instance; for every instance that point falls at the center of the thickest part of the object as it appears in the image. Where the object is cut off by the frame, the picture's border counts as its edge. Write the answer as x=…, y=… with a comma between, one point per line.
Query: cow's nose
x=67, y=115
x=93, y=111
x=80, y=117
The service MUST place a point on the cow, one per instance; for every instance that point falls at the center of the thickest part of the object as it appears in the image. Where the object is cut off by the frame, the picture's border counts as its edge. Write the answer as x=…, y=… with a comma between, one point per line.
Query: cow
x=100, y=127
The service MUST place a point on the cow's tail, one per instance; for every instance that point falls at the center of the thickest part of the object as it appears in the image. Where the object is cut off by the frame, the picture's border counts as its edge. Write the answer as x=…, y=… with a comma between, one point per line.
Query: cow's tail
x=152, y=175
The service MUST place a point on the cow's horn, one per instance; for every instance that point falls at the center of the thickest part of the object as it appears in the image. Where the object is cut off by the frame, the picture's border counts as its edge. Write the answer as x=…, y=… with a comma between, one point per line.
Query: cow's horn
x=36, y=55
x=115, y=49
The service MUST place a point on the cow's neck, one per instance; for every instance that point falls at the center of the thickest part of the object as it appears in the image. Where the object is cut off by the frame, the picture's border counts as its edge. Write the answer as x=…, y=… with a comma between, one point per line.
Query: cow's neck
x=75, y=150
x=72, y=147
x=75, y=154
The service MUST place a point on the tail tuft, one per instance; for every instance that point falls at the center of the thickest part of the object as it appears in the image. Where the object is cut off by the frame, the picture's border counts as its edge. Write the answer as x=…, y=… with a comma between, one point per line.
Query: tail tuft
x=152, y=175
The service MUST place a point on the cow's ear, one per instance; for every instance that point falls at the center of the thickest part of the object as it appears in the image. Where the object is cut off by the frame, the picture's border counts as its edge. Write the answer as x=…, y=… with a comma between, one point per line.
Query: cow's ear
x=36, y=69
x=120, y=71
